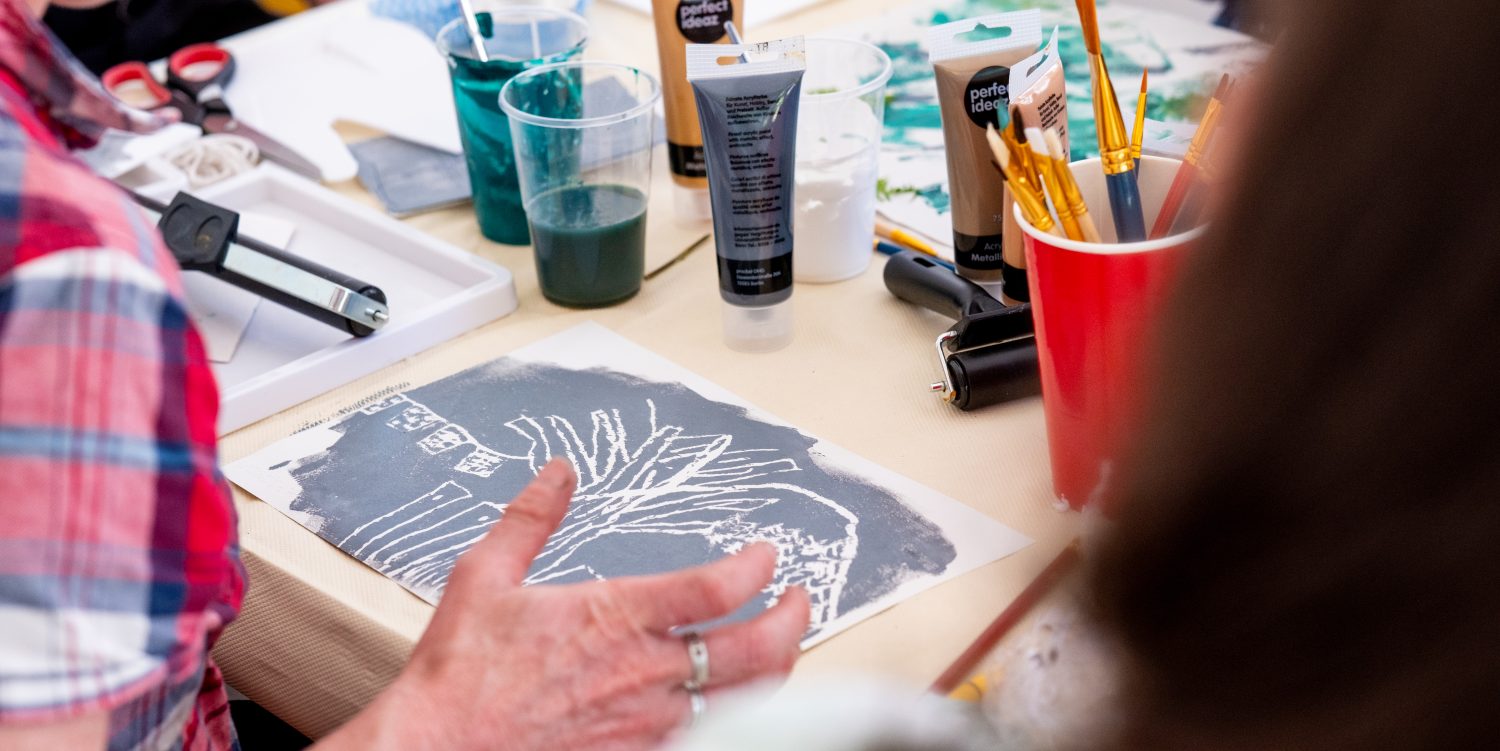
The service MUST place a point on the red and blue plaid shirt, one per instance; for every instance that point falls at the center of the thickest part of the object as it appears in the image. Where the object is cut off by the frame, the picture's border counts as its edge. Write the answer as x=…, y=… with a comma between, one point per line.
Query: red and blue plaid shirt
x=118, y=557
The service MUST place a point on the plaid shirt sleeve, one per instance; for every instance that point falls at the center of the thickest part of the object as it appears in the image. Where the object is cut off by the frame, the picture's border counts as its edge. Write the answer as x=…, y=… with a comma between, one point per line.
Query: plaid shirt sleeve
x=118, y=560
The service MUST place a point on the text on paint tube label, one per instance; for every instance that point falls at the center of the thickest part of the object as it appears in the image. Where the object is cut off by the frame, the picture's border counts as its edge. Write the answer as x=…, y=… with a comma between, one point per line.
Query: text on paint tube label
x=978, y=251
x=687, y=161
x=988, y=93
x=702, y=21
x=758, y=277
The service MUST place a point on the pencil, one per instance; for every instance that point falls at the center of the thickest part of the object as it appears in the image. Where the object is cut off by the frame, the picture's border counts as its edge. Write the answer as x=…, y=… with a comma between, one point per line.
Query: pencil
x=963, y=667
x=902, y=237
x=1187, y=174
x=1138, y=136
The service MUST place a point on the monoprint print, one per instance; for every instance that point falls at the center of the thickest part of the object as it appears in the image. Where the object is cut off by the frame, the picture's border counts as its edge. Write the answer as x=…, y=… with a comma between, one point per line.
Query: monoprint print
x=668, y=478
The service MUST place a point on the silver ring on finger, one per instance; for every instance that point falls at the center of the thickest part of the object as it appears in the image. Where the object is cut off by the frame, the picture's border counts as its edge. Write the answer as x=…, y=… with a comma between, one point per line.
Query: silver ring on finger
x=697, y=702
x=697, y=651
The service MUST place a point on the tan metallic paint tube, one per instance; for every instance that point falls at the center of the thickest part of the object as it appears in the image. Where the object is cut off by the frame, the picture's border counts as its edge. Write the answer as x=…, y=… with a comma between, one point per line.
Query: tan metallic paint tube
x=678, y=24
x=973, y=79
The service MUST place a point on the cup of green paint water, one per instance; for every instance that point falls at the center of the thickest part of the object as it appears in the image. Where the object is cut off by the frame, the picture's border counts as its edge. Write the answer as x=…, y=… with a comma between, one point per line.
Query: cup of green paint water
x=583, y=133
x=515, y=38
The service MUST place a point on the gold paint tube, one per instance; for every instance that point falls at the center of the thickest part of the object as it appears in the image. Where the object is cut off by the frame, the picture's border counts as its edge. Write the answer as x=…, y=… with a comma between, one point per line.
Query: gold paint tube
x=972, y=62
x=678, y=24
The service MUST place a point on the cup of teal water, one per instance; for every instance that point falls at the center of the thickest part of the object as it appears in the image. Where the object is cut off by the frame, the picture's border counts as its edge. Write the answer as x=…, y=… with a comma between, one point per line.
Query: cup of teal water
x=516, y=38
x=582, y=133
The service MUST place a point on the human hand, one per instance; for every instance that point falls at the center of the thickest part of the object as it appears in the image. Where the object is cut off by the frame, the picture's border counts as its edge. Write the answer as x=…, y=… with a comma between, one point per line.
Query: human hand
x=587, y=666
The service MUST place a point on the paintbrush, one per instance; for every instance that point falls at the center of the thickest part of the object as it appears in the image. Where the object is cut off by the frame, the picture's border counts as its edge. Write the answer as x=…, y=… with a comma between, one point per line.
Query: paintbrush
x=1021, y=158
x=471, y=21
x=902, y=237
x=1018, y=134
x=1043, y=159
x=1138, y=136
x=1076, y=204
x=1032, y=206
x=1114, y=142
x=1187, y=174
x=965, y=665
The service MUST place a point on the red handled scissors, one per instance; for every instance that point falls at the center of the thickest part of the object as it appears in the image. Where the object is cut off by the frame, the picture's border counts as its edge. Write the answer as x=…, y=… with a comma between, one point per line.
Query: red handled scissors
x=196, y=77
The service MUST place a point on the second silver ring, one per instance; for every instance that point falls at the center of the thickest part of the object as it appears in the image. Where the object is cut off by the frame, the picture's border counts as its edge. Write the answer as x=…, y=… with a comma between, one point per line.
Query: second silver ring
x=698, y=657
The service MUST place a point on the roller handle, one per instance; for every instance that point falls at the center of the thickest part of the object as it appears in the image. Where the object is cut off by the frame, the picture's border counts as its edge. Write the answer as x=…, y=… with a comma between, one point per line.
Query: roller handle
x=919, y=280
x=310, y=310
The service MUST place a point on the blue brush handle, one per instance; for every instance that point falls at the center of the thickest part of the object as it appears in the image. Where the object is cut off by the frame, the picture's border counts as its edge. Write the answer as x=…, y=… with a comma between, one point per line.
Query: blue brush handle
x=1125, y=201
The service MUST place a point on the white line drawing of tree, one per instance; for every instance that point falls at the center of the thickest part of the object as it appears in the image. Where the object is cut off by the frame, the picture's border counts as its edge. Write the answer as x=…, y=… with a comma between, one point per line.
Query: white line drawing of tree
x=672, y=482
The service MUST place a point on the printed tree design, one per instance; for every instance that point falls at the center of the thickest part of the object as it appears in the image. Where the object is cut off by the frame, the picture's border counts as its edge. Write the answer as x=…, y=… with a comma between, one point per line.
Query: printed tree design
x=668, y=483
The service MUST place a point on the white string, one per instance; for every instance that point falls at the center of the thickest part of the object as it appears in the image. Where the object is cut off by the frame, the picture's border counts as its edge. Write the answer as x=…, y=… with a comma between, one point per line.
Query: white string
x=214, y=157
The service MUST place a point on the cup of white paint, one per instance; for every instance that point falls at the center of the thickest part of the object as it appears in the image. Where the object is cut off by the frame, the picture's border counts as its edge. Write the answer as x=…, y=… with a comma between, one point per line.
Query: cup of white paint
x=838, y=158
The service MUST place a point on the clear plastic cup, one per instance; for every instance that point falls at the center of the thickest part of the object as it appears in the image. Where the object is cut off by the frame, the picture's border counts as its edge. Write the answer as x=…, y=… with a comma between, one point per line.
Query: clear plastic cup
x=520, y=38
x=582, y=133
x=838, y=158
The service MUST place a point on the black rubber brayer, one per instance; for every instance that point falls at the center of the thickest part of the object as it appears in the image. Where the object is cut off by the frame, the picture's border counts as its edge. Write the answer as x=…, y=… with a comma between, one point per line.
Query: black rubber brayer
x=989, y=356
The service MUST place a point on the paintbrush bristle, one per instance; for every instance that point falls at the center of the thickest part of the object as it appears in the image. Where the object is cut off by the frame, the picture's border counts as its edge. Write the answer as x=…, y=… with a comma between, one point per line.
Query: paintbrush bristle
x=1145, y=74
x=1018, y=125
x=1037, y=141
x=997, y=145
x=1088, y=18
x=1054, y=144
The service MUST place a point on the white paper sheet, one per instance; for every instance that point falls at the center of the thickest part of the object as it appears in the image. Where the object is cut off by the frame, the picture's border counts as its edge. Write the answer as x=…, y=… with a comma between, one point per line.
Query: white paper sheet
x=887, y=526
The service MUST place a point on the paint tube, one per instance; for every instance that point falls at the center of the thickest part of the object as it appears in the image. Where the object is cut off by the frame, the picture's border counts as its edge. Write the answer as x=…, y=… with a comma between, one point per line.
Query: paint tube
x=749, y=116
x=972, y=61
x=678, y=24
x=1037, y=87
x=1039, y=91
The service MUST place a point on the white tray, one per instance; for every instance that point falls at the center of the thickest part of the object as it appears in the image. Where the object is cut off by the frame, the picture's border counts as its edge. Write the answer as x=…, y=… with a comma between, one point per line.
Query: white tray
x=435, y=292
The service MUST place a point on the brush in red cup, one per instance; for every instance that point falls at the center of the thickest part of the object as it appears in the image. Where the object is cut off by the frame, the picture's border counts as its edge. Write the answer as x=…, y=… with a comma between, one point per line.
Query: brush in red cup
x=1095, y=305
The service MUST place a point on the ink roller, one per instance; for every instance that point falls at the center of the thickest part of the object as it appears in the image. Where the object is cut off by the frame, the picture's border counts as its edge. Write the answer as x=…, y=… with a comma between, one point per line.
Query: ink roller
x=989, y=356
x=205, y=237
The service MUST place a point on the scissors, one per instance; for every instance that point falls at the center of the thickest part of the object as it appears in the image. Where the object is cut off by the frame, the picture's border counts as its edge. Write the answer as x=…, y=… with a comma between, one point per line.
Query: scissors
x=196, y=77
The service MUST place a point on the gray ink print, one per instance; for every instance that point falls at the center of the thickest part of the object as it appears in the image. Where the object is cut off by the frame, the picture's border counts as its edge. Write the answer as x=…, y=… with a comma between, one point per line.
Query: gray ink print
x=667, y=479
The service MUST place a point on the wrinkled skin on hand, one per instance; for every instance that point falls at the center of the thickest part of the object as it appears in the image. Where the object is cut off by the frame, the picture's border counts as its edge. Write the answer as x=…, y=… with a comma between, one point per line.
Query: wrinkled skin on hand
x=586, y=666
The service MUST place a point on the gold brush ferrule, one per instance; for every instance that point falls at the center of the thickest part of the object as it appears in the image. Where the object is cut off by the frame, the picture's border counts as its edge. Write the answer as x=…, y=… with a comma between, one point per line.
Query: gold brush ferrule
x=1114, y=141
x=1035, y=208
x=1071, y=229
x=1020, y=158
x=1205, y=133
x=1055, y=189
x=1070, y=189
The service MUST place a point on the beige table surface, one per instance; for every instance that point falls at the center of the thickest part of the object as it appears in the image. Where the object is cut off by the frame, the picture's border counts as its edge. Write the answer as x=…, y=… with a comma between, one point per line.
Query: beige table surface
x=321, y=633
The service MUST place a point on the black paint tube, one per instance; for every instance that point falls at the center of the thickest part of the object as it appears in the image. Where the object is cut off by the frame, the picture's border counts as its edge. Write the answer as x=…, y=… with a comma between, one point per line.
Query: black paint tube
x=748, y=111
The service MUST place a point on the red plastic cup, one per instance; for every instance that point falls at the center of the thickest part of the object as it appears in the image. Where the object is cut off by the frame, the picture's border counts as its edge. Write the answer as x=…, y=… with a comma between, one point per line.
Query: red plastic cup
x=1095, y=305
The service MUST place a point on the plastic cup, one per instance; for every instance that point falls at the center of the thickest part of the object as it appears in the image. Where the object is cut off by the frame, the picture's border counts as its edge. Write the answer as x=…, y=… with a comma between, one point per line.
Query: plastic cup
x=523, y=37
x=1095, y=306
x=583, y=134
x=838, y=158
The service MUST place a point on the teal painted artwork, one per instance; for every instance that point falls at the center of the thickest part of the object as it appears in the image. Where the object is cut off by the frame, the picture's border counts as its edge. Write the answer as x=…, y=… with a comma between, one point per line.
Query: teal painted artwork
x=1185, y=59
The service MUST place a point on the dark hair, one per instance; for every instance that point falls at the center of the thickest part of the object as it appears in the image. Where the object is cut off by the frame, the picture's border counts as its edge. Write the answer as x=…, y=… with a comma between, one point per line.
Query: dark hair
x=1307, y=552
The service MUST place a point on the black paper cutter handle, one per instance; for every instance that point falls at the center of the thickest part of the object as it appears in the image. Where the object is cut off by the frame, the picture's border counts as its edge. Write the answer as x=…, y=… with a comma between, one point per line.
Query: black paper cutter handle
x=204, y=237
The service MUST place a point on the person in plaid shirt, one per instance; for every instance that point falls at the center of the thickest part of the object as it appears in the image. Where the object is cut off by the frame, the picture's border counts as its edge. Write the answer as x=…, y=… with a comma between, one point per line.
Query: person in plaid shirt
x=118, y=558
